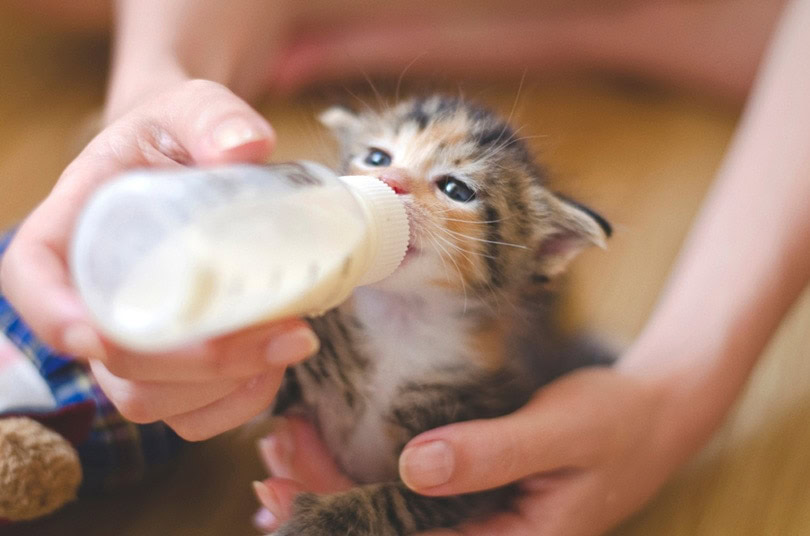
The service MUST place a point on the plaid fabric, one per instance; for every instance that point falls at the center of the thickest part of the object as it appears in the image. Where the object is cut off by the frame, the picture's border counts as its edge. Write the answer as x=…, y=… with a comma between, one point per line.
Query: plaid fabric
x=117, y=452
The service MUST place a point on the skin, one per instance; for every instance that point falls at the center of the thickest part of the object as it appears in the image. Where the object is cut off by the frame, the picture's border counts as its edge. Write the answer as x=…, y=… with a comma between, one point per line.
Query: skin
x=604, y=441
x=669, y=391
x=181, y=126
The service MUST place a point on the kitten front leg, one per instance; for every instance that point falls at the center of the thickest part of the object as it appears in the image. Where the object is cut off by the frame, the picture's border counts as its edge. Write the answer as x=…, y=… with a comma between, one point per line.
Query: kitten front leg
x=387, y=509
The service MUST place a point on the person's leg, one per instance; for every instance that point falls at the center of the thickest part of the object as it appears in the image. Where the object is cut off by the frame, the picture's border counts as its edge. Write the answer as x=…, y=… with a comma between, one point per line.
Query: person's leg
x=705, y=45
x=709, y=46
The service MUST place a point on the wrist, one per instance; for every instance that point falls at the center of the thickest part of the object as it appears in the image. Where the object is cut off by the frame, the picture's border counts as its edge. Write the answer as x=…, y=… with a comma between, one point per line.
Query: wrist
x=690, y=385
x=134, y=81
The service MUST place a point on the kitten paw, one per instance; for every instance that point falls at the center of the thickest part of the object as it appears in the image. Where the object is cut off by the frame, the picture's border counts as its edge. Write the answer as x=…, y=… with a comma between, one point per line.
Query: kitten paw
x=331, y=515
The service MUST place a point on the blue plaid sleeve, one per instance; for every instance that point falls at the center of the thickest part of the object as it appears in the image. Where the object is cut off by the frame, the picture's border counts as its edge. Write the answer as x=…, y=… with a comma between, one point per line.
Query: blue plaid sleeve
x=117, y=452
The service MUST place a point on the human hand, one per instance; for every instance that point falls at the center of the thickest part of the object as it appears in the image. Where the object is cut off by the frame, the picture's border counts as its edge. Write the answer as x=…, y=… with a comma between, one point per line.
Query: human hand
x=200, y=390
x=299, y=461
x=588, y=449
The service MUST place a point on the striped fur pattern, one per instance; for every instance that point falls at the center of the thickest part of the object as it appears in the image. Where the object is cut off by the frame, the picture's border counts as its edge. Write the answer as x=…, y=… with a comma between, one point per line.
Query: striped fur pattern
x=431, y=344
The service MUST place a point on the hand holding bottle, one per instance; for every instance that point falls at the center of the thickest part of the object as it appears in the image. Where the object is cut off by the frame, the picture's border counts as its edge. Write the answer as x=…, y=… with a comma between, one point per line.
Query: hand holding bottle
x=204, y=388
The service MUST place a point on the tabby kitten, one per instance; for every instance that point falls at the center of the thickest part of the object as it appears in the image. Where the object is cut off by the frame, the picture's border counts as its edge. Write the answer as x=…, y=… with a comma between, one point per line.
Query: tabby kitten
x=429, y=345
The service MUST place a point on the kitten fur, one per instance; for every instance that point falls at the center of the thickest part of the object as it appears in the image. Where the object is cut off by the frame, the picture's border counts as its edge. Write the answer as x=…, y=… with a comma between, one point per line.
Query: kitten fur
x=434, y=343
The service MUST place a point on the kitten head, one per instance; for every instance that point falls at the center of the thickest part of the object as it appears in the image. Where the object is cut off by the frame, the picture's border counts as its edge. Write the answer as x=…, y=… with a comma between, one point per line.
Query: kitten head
x=482, y=221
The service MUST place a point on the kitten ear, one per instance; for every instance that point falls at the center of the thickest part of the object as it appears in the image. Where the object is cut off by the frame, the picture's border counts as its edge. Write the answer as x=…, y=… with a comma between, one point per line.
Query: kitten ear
x=340, y=119
x=574, y=227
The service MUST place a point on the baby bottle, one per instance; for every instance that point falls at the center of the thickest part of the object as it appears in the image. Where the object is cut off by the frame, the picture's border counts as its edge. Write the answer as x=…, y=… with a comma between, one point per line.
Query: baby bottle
x=165, y=257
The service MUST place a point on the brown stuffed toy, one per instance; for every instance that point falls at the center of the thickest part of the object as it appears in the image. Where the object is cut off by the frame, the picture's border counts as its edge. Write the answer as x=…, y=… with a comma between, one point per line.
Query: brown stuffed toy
x=39, y=469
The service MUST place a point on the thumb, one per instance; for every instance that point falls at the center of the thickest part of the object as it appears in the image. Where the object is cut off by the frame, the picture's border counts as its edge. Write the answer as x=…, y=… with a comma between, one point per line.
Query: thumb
x=215, y=126
x=552, y=432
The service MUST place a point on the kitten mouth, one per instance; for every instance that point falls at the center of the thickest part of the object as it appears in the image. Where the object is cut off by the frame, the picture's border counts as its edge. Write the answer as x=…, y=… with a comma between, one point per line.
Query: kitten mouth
x=412, y=249
x=410, y=254
x=410, y=212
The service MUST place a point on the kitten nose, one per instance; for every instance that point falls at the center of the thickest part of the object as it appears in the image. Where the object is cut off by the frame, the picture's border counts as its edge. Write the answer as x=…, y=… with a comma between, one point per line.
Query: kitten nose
x=398, y=179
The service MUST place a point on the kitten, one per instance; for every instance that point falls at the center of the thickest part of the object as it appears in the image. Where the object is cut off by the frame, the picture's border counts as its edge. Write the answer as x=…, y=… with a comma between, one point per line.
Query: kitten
x=433, y=343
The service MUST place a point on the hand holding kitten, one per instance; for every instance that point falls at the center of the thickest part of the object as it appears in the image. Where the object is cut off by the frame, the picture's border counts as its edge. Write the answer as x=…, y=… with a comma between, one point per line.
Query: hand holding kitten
x=593, y=441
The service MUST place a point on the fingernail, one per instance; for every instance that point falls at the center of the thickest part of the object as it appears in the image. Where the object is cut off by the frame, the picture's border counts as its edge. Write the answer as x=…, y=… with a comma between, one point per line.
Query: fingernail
x=427, y=465
x=80, y=340
x=264, y=520
x=292, y=346
x=235, y=132
x=267, y=497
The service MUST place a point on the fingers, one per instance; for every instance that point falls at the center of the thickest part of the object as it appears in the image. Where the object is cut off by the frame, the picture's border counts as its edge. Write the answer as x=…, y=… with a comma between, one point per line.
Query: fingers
x=277, y=496
x=295, y=451
x=220, y=392
x=214, y=125
x=240, y=355
x=299, y=461
x=244, y=403
x=35, y=281
x=451, y=459
x=556, y=430
x=144, y=402
x=265, y=521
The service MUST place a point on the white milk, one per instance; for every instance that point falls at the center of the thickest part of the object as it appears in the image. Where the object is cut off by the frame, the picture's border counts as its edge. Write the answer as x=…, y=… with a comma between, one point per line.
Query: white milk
x=166, y=258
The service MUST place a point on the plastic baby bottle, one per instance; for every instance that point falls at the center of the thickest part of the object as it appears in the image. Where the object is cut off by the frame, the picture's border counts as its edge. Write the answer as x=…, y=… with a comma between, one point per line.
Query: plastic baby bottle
x=165, y=257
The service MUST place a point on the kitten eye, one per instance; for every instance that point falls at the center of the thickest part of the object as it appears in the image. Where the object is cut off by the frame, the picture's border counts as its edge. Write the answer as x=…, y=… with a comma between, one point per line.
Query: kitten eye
x=378, y=158
x=455, y=189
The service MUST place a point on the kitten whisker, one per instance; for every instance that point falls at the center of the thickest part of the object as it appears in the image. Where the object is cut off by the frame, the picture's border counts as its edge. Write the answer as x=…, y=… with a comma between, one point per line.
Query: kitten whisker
x=402, y=74
x=441, y=257
x=441, y=211
x=501, y=146
x=531, y=137
x=458, y=269
x=463, y=252
x=461, y=97
x=492, y=291
x=477, y=222
x=383, y=105
x=459, y=248
x=517, y=97
x=363, y=102
x=498, y=242
x=506, y=123
x=494, y=294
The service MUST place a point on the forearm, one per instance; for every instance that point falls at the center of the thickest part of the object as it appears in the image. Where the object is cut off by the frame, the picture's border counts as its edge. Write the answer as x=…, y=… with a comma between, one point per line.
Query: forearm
x=159, y=44
x=748, y=257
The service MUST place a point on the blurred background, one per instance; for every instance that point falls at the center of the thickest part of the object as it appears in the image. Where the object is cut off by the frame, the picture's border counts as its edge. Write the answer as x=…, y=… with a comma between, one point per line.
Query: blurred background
x=642, y=156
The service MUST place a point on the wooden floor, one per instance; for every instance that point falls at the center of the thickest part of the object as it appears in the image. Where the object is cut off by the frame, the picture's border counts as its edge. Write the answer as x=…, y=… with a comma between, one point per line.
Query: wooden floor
x=642, y=158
